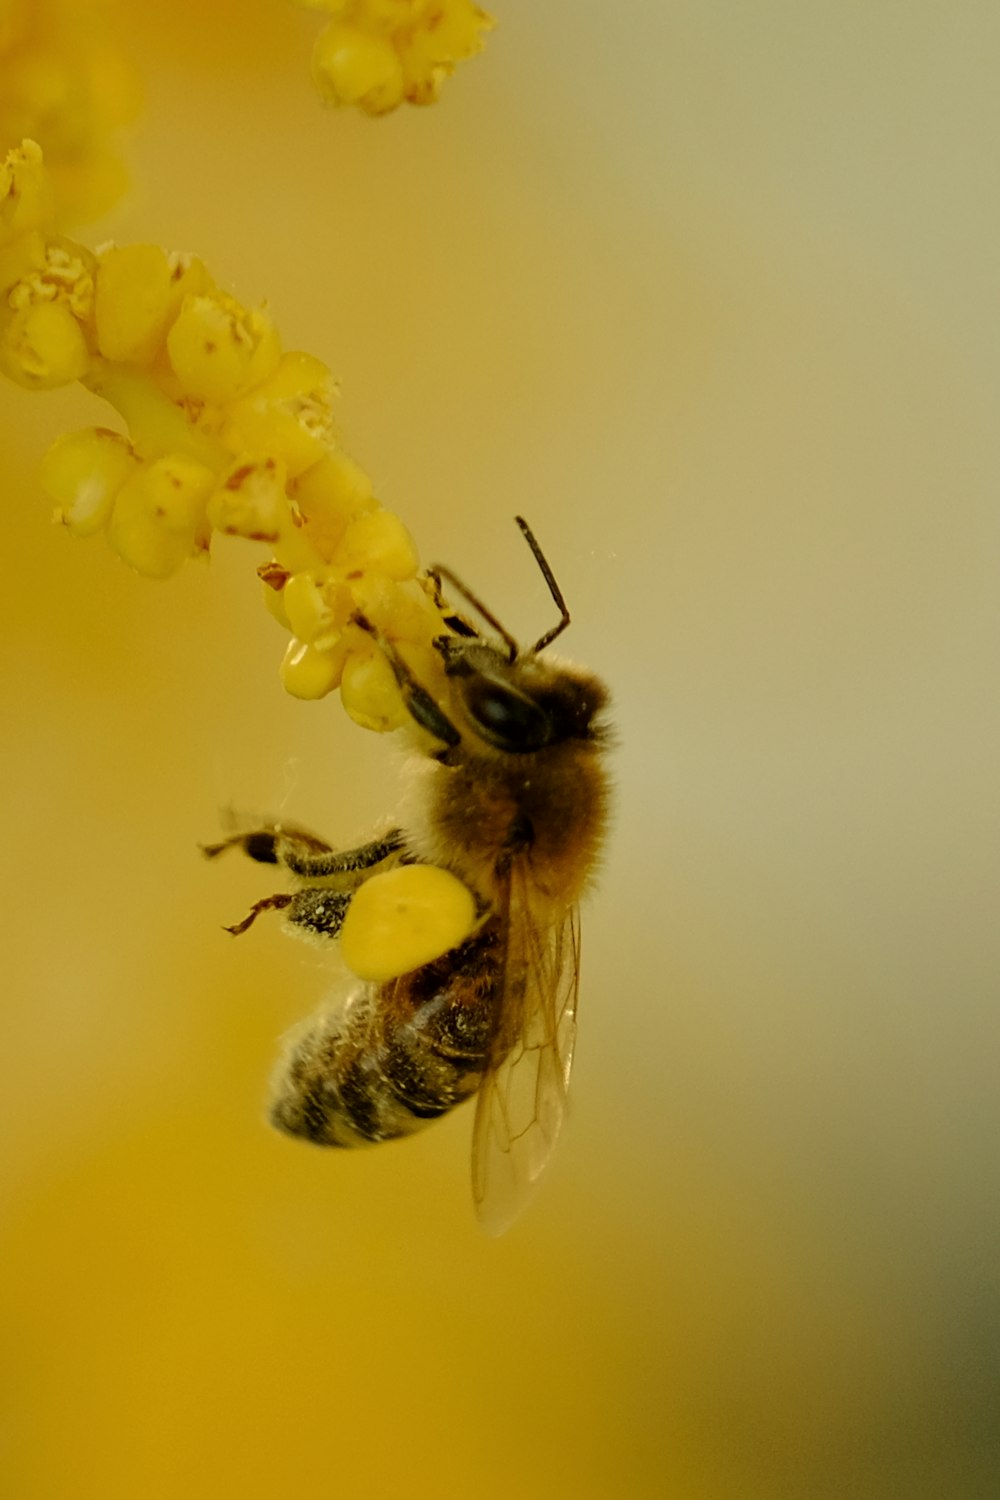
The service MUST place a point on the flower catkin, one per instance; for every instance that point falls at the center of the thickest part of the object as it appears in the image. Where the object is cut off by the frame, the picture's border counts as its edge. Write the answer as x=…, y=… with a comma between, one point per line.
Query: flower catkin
x=227, y=435
x=378, y=54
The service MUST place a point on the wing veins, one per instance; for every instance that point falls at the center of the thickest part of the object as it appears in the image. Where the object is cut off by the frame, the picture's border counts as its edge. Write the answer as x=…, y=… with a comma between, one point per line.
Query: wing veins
x=522, y=1100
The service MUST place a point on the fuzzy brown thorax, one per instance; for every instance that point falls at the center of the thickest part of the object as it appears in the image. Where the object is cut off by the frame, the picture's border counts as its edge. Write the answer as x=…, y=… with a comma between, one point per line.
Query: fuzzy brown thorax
x=525, y=788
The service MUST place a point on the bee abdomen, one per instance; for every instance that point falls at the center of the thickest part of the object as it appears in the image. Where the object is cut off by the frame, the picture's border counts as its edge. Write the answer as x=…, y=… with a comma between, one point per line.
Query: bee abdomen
x=373, y=1071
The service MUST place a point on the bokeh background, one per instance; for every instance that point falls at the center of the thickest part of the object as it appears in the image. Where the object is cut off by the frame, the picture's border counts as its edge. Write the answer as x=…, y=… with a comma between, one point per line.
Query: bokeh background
x=709, y=291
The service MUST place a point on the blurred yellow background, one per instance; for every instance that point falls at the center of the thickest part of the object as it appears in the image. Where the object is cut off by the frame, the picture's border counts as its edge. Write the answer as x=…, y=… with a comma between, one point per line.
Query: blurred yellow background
x=709, y=292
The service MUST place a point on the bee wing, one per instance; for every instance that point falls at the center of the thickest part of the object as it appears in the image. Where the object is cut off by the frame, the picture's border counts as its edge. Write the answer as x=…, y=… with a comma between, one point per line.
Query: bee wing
x=522, y=1100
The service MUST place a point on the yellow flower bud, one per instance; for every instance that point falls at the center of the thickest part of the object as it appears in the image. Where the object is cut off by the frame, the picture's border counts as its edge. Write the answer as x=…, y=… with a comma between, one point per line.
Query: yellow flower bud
x=369, y=691
x=177, y=489
x=188, y=278
x=293, y=550
x=394, y=609
x=83, y=472
x=143, y=544
x=404, y=918
x=43, y=338
x=351, y=66
x=219, y=349
x=158, y=518
x=330, y=494
x=42, y=346
x=430, y=54
x=309, y=672
x=250, y=501
x=378, y=542
x=133, y=302
x=317, y=608
x=66, y=275
x=288, y=415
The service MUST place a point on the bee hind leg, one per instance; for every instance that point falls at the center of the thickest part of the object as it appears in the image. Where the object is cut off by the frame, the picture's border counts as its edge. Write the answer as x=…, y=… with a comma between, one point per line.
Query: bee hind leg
x=317, y=912
x=268, y=903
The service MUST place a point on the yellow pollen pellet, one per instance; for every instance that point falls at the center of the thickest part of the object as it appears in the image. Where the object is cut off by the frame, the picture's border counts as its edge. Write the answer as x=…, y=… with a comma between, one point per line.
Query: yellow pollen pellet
x=404, y=918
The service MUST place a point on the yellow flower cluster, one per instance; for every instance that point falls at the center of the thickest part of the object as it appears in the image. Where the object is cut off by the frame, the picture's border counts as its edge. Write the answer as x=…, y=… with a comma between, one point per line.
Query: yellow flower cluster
x=64, y=83
x=377, y=53
x=227, y=435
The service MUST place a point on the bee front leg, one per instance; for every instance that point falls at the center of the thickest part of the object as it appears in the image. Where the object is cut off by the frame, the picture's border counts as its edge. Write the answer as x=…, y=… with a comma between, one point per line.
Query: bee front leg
x=419, y=703
x=304, y=854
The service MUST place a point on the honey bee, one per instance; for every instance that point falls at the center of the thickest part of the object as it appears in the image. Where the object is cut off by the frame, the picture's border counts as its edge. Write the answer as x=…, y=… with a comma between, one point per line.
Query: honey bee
x=512, y=800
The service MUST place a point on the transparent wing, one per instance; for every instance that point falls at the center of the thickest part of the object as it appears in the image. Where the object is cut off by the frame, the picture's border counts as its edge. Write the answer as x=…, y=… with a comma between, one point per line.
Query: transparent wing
x=522, y=1100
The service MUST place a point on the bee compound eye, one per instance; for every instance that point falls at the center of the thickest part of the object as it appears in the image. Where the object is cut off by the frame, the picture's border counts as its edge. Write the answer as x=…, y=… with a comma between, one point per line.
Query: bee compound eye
x=506, y=718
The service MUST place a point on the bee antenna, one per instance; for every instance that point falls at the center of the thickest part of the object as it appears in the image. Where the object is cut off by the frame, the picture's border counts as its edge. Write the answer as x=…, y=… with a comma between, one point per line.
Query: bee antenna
x=437, y=571
x=554, y=589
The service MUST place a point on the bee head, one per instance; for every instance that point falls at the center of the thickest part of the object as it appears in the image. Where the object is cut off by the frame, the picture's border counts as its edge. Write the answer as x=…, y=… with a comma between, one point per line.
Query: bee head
x=523, y=705
x=510, y=698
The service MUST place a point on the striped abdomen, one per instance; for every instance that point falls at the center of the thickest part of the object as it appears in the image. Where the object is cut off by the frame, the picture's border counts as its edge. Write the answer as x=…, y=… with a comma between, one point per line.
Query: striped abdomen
x=395, y=1056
